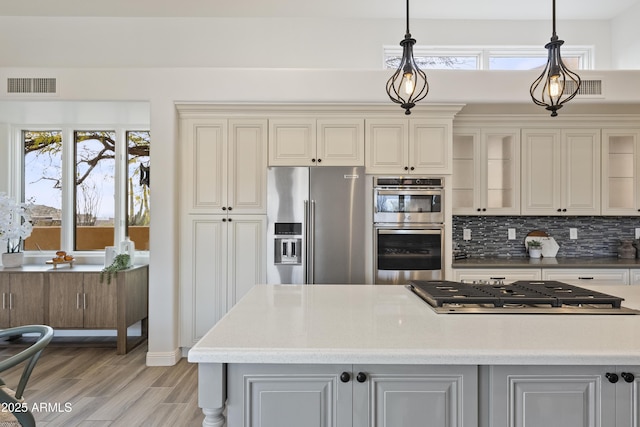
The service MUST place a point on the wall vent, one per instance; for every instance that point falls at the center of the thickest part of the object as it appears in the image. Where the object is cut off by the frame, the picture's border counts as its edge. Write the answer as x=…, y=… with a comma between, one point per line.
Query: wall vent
x=587, y=87
x=37, y=85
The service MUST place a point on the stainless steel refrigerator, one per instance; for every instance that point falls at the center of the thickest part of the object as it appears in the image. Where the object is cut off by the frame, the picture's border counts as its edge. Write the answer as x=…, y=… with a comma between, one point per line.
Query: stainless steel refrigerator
x=316, y=225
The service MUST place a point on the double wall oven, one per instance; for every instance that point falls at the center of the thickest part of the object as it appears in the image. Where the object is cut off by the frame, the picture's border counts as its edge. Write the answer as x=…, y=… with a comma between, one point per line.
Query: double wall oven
x=408, y=229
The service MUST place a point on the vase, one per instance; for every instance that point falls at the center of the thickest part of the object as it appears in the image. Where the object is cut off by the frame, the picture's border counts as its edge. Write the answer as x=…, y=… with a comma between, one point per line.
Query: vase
x=626, y=249
x=12, y=259
x=535, y=252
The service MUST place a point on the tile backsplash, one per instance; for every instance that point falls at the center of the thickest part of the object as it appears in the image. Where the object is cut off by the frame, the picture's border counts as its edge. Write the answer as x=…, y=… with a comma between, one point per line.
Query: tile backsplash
x=597, y=236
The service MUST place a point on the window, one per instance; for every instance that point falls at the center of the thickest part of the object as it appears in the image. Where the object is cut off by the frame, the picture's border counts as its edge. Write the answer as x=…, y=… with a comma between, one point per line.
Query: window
x=488, y=58
x=83, y=199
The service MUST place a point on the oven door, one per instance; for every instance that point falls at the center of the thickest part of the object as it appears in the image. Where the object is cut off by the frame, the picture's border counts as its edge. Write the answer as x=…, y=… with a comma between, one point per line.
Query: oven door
x=407, y=253
x=415, y=205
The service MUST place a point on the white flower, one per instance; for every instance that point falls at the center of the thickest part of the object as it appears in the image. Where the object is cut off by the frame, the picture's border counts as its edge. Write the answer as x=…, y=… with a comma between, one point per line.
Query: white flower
x=15, y=222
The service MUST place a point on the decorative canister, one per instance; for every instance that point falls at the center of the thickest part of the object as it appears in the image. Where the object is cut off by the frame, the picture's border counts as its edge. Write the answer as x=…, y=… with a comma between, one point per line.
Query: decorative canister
x=626, y=249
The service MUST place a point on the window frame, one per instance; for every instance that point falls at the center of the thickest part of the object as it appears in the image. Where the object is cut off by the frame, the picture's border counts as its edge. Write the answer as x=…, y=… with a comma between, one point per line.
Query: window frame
x=585, y=54
x=16, y=182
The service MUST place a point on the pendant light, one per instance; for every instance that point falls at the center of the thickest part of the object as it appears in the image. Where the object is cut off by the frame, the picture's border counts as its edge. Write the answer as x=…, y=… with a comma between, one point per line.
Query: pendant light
x=550, y=89
x=408, y=84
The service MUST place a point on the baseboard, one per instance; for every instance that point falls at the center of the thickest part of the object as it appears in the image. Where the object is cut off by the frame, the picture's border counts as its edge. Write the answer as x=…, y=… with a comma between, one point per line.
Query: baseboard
x=164, y=358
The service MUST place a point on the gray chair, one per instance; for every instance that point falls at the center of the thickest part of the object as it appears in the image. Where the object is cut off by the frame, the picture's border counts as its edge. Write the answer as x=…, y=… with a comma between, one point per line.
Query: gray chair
x=13, y=408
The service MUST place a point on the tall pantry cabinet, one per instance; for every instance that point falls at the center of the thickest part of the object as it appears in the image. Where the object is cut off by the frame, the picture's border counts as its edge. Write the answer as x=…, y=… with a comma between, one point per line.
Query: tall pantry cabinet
x=222, y=216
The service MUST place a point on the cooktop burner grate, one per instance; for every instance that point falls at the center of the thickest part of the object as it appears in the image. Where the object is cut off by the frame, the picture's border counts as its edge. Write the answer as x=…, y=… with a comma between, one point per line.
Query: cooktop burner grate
x=540, y=293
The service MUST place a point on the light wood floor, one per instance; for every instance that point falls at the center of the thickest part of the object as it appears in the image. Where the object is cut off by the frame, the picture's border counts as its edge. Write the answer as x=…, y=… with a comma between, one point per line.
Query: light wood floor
x=104, y=389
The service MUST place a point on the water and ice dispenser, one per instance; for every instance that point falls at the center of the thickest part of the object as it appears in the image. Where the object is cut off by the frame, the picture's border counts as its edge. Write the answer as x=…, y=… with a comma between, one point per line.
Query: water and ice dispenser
x=288, y=243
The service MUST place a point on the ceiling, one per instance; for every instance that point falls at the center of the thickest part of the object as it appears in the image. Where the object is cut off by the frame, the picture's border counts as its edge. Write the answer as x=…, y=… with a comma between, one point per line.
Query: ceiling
x=367, y=9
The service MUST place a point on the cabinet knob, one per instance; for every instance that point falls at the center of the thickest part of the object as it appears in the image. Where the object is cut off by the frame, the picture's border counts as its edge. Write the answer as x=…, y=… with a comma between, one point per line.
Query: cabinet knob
x=559, y=210
x=406, y=168
x=224, y=219
x=224, y=208
x=345, y=377
x=479, y=210
x=319, y=160
x=484, y=209
x=412, y=168
x=313, y=160
x=564, y=210
x=230, y=219
x=628, y=377
x=613, y=378
x=229, y=208
x=361, y=377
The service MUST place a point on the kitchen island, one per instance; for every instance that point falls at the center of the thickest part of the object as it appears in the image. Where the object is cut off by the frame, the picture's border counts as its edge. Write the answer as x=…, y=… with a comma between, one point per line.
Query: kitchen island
x=363, y=351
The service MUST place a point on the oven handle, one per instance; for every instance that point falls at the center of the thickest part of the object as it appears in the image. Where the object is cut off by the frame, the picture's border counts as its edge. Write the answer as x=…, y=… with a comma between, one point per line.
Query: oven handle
x=409, y=231
x=416, y=192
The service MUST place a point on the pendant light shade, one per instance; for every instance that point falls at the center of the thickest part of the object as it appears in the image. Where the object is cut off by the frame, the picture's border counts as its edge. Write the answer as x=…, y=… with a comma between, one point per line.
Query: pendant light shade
x=552, y=89
x=408, y=84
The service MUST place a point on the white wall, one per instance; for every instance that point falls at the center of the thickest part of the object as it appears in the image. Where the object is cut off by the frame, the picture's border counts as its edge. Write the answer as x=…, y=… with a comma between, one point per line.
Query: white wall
x=269, y=43
x=625, y=38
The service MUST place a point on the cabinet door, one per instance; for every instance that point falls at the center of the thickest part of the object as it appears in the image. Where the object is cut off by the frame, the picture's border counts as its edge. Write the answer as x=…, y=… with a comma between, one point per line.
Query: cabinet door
x=627, y=396
x=567, y=396
x=292, y=142
x=407, y=396
x=541, y=151
x=466, y=191
x=204, y=173
x=66, y=300
x=492, y=274
x=580, y=172
x=288, y=395
x=247, y=181
x=591, y=276
x=246, y=262
x=27, y=298
x=500, y=171
x=100, y=302
x=620, y=172
x=340, y=142
x=5, y=289
x=387, y=145
x=203, y=273
x=430, y=147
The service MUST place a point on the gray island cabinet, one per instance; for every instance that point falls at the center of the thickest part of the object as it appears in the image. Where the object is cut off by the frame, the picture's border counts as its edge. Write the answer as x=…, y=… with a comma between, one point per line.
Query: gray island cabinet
x=365, y=355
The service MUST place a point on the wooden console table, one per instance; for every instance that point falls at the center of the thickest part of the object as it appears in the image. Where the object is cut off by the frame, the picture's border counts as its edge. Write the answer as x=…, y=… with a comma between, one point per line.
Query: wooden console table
x=74, y=298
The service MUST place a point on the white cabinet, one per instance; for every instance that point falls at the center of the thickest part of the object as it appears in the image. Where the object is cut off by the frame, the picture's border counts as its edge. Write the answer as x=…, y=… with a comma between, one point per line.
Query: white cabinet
x=634, y=276
x=561, y=172
x=486, y=171
x=469, y=275
x=408, y=146
x=587, y=276
x=221, y=258
x=311, y=142
x=224, y=165
x=567, y=396
x=621, y=172
x=352, y=395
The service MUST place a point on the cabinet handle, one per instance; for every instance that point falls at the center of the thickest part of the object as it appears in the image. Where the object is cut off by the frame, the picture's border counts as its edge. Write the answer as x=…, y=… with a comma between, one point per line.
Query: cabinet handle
x=77, y=300
x=628, y=377
x=361, y=377
x=84, y=301
x=613, y=378
x=585, y=278
x=4, y=298
x=345, y=377
x=10, y=301
x=497, y=278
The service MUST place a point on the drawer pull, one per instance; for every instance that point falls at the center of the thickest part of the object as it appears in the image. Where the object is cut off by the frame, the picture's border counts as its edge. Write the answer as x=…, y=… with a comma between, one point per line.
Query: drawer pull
x=585, y=278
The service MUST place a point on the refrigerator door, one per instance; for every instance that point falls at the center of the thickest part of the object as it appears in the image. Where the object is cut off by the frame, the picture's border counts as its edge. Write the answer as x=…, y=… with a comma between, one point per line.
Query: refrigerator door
x=337, y=197
x=288, y=188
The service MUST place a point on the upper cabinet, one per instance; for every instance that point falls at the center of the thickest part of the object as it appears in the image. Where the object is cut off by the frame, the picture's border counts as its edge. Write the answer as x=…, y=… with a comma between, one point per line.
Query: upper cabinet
x=316, y=142
x=224, y=165
x=621, y=172
x=486, y=171
x=561, y=172
x=408, y=146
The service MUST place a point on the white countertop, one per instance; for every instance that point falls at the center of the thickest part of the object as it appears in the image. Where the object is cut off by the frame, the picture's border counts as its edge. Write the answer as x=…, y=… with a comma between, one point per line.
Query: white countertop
x=389, y=325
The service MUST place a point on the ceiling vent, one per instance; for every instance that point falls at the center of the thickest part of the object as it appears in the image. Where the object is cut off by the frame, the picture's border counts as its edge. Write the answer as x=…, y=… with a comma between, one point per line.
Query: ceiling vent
x=31, y=85
x=587, y=88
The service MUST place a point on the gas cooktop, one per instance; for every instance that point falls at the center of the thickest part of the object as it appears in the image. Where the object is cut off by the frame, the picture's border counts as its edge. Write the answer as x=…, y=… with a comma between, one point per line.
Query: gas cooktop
x=521, y=297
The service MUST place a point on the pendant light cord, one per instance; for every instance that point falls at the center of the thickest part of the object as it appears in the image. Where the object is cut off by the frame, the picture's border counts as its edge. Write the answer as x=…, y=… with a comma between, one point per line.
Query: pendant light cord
x=554, y=20
x=408, y=18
